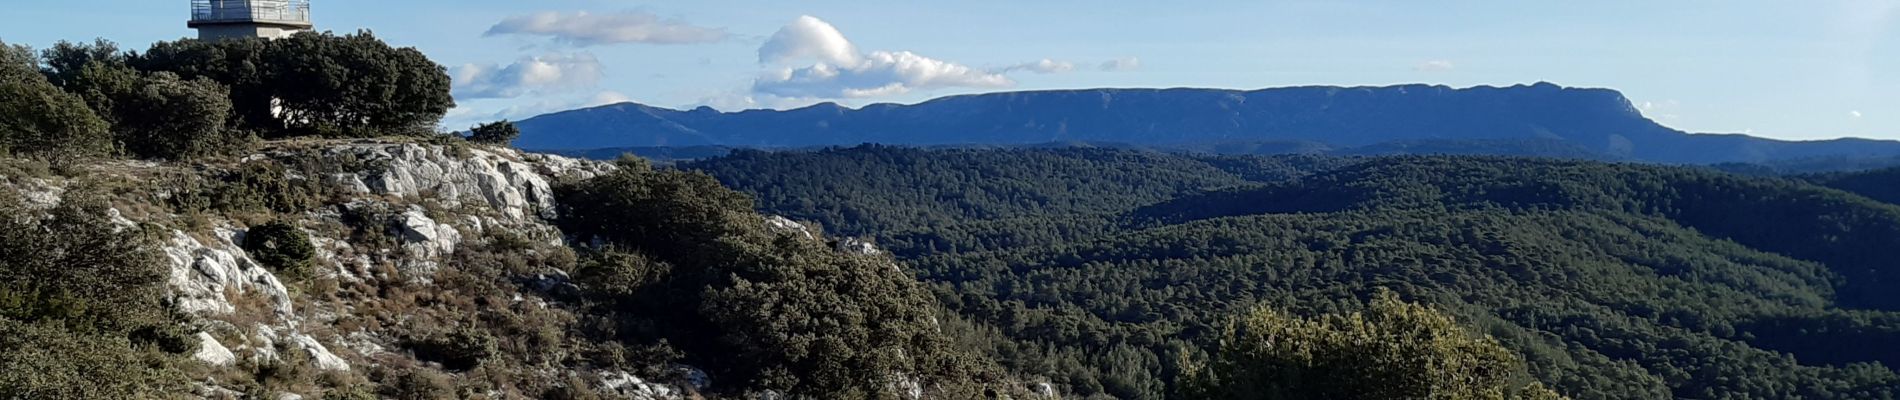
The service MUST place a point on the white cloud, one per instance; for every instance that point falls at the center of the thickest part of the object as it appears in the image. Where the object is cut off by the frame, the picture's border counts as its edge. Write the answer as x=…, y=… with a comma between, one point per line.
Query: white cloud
x=588, y=29
x=838, y=70
x=609, y=97
x=529, y=75
x=475, y=112
x=1121, y=64
x=1854, y=114
x=809, y=38
x=1044, y=66
x=1435, y=66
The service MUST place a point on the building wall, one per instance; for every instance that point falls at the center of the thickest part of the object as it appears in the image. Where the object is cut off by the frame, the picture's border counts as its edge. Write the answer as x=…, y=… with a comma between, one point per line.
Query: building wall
x=219, y=32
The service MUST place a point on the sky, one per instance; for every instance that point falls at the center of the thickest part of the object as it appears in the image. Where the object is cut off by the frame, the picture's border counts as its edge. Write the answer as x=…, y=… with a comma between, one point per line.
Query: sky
x=1785, y=69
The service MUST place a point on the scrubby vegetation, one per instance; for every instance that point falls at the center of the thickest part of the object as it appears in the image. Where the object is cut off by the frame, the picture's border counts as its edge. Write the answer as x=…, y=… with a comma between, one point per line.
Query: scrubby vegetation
x=282, y=247
x=495, y=133
x=1612, y=281
x=37, y=118
x=80, y=309
x=687, y=264
x=1393, y=350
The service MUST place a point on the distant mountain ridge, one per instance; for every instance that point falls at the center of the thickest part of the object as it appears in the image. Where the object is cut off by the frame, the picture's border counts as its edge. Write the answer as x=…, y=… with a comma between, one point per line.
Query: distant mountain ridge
x=1601, y=123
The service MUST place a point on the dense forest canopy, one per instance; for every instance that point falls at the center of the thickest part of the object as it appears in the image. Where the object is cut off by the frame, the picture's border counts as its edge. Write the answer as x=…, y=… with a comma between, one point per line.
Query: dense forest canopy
x=1612, y=281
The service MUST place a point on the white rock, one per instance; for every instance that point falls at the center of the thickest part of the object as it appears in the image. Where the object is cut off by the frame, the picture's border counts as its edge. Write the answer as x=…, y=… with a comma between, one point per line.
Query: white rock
x=362, y=343
x=119, y=222
x=513, y=184
x=626, y=384
x=212, y=352
x=1046, y=390
x=425, y=242
x=859, y=247
x=40, y=193
x=350, y=183
x=320, y=355
x=786, y=226
x=213, y=392
x=201, y=274
x=909, y=386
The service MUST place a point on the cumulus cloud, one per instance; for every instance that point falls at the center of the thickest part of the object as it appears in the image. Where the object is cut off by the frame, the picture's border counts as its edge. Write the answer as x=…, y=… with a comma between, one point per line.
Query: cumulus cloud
x=1121, y=64
x=808, y=38
x=1045, y=66
x=588, y=29
x=1435, y=66
x=812, y=59
x=529, y=75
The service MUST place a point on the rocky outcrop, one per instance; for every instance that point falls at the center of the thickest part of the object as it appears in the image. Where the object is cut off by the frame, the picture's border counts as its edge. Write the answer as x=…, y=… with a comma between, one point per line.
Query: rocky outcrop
x=633, y=387
x=388, y=218
x=506, y=180
x=858, y=246
x=786, y=226
x=205, y=273
x=213, y=353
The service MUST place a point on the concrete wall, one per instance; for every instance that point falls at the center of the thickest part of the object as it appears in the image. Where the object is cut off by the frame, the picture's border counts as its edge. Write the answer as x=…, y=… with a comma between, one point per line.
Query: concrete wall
x=218, y=32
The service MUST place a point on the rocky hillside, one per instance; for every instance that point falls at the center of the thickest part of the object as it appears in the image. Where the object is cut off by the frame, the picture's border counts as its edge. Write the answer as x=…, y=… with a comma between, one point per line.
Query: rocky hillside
x=366, y=269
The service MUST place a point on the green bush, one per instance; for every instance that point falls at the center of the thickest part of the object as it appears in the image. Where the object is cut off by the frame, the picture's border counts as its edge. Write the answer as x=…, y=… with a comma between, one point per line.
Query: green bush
x=48, y=360
x=459, y=349
x=156, y=115
x=171, y=118
x=282, y=247
x=315, y=83
x=496, y=133
x=1393, y=350
x=96, y=72
x=39, y=119
x=81, y=311
x=417, y=384
x=754, y=307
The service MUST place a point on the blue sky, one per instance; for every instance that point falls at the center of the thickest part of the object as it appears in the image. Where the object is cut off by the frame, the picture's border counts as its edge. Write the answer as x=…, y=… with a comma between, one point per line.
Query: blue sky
x=1783, y=69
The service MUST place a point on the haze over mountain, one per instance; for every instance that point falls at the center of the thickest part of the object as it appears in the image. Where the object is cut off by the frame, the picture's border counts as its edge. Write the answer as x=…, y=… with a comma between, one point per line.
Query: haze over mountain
x=1539, y=119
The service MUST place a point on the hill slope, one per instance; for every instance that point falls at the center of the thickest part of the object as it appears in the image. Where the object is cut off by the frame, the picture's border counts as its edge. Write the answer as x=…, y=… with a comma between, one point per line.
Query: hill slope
x=1601, y=122
x=388, y=268
x=1615, y=281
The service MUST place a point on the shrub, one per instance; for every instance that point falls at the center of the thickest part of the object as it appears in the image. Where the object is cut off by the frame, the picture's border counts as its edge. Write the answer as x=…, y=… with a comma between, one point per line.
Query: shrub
x=81, y=314
x=460, y=349
x=763, y=310
x=50, y=361
x=496, y=133
x=96, y=72
x=66, y=62
x=37, y=118
x=237, y=64
x=170, y=118
x=1393, y=350
x=282, y=247
x=417, y=384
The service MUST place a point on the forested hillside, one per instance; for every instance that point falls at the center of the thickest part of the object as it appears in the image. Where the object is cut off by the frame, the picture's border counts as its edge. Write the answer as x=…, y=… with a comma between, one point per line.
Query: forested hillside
x=1612, y=281
x=1541, y=119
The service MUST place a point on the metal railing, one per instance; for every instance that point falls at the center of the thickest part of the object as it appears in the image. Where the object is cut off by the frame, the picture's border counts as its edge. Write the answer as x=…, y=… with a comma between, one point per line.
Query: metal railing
x=297, y=11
